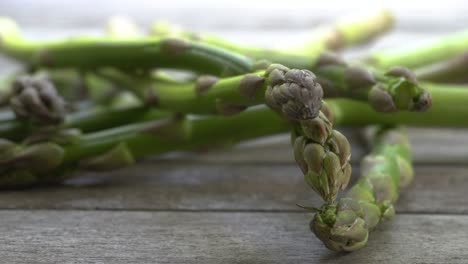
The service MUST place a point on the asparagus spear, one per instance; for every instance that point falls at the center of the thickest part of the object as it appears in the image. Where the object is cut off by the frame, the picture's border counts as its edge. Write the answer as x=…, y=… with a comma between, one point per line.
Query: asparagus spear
x=322, y=153
x=397, y=89
x=424, y=54
x=345, y=226
x=447, y=71
x=344, y=33
x=88, y=53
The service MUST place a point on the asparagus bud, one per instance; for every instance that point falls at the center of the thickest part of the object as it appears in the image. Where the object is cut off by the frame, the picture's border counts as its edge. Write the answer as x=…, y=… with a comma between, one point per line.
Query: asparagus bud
x=345, y=226
x=395, y=90
x=35, y=99
x=321, y=152
x=295, y=93
x=26, y=164
x=323, y=155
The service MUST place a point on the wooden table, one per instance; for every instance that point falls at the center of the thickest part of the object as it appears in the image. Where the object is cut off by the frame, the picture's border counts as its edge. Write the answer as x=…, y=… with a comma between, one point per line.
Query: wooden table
x=238, y=205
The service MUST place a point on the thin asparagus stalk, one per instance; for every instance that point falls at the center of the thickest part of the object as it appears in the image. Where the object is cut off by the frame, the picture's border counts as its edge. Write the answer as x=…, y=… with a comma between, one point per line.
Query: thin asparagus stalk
x=345, y=33
x=449, y=71
x=88, y=53
x=95, y=119
x=349, y=32
x=345, y=226
x=424, y=54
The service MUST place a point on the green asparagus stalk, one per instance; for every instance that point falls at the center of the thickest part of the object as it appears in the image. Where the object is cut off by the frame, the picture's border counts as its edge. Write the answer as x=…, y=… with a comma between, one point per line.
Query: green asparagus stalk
x=48, y=162
x=87, y=53
x=449, y=110
x=449, y=71
x=213, y=95
x=345, y=33
x=349, y=32
x=95, y=119
x=424, y=54
x=393, y=91
x=345, y=226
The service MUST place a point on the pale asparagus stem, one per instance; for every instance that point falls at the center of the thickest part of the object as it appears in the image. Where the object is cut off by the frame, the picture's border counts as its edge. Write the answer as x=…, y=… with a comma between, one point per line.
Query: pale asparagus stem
x=350, y=31
x=345, y=226
x=87, y=53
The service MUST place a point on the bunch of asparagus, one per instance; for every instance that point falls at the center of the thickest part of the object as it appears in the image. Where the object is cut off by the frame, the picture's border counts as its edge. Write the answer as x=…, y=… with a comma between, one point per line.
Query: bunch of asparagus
x=102, y=103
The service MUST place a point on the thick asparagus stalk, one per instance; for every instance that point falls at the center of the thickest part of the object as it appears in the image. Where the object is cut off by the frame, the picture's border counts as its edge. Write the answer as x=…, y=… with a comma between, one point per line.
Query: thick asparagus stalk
x=449, y=109
x=345, y=226
x=88, y=53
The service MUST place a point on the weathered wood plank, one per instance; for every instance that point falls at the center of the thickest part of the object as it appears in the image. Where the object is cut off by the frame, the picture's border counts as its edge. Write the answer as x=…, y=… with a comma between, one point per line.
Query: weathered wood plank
x=167, y=237
x=178, y=185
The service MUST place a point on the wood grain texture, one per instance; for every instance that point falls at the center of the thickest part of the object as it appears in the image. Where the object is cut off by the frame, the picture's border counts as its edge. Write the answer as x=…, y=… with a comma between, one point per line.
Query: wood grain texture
x=183, y=185
x=169, y=237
